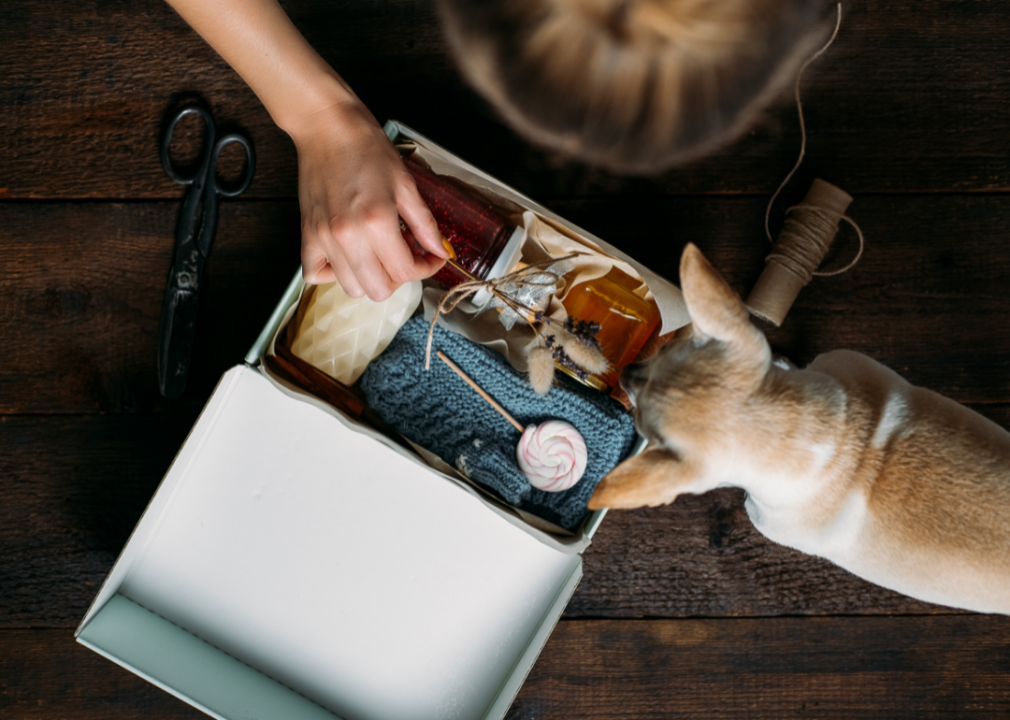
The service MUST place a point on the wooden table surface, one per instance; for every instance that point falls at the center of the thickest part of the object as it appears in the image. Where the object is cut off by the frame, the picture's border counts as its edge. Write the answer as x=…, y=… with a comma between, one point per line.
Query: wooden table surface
x=684, y=610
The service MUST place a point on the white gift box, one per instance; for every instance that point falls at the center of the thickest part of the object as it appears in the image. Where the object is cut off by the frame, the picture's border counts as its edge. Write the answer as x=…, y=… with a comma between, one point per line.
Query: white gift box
x=296, y=563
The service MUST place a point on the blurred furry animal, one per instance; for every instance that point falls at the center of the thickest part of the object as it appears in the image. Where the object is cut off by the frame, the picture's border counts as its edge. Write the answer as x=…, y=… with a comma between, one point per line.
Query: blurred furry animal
x=845, y=459
x=634, y=85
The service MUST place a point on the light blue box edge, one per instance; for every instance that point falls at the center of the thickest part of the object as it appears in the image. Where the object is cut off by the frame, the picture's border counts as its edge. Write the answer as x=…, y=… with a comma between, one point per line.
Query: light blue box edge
x=191, y=669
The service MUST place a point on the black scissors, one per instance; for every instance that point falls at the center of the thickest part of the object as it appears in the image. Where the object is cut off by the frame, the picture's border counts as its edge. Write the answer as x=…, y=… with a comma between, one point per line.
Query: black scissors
x=194, y=234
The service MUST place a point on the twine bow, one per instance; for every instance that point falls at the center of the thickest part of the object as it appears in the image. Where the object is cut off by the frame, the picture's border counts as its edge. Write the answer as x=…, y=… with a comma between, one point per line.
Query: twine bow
x=531, y=284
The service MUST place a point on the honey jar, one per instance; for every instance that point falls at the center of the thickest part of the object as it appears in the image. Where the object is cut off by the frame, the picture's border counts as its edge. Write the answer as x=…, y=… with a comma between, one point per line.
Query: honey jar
x=626, y=322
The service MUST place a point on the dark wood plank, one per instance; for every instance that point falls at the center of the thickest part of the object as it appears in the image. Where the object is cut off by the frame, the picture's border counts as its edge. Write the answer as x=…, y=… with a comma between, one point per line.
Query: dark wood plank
x=950, y=667
x=72, y=490
x=82, y=288
x=928, y=299
x=911, y=98
x=46, y=674
x=911, y=667
x=74, y=487
x=702, y=557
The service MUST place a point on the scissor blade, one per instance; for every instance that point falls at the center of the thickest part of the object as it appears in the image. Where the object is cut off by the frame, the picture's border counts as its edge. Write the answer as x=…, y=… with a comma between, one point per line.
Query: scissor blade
x=175, y=342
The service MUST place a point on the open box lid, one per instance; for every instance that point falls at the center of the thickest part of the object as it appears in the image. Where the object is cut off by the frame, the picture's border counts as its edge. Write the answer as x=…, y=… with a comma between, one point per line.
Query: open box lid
x=291, y=566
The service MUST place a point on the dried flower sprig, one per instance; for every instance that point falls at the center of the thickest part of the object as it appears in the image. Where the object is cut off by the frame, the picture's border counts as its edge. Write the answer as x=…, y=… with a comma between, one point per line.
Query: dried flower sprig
x=541, y=368
x=571, y=342
x=574, y=346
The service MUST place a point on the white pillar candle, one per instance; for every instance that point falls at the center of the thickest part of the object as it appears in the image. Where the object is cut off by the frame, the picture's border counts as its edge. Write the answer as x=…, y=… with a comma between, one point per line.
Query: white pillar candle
x=340, y=335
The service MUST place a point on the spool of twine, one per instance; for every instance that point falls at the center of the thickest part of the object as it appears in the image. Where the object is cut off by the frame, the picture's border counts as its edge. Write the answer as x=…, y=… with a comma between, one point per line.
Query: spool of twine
x=799, y=250
x=807, y=232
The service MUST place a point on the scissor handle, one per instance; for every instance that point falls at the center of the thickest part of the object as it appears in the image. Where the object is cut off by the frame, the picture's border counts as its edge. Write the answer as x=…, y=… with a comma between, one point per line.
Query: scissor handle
x=250, y=166
x=208, y=144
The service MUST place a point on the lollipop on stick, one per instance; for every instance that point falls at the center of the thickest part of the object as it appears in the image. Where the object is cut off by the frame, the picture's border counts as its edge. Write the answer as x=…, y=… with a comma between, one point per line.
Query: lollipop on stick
x=551, y=455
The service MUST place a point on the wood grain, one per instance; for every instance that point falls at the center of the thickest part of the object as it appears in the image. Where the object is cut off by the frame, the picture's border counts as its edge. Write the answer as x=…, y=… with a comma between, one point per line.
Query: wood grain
x=81, y=294
x=46, y=675
x=82, y=287
x=910, y=98
x=910, y=667
x=73, y=487
x=929, y=297
x=72, y=490
x=907, y=112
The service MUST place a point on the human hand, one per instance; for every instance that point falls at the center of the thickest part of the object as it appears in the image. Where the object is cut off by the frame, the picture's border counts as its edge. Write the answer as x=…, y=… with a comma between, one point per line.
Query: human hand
x=353, y=188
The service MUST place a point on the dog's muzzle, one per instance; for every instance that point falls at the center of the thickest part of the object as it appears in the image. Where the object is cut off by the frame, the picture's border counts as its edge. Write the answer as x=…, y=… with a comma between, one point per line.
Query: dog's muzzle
x=633, y=377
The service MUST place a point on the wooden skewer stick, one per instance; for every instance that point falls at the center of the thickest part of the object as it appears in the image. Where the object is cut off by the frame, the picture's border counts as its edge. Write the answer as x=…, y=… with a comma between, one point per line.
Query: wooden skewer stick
x=469, y=275
x=480, y=391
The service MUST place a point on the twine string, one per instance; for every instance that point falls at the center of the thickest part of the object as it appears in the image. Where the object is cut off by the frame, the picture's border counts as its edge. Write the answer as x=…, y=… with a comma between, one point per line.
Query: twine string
x=808, y=229
x=804, y=239
x=531, y=274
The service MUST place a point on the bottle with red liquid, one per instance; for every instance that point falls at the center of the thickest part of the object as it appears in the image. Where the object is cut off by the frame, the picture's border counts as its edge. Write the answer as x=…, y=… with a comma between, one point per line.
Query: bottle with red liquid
x=477, y=233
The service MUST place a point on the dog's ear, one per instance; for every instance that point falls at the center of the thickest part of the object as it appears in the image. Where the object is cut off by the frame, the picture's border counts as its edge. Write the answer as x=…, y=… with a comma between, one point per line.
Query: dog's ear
x=718, y=312
x=649, y=478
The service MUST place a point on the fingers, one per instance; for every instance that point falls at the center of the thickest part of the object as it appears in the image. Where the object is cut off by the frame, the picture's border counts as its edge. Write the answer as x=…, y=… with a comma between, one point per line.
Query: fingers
x=417, y=215
x=397, y=258
x=358, y=254
x=318, y=269
x=353, y=190
x=377, y=270
x=366, y=254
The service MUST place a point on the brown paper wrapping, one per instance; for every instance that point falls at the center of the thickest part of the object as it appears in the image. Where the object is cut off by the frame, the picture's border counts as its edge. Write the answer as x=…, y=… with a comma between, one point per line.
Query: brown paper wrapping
x=777, y=288
x=543, y=241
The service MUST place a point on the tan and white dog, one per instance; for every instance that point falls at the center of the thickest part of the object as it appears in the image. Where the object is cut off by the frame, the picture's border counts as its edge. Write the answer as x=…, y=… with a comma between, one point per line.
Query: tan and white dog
x=845, y=459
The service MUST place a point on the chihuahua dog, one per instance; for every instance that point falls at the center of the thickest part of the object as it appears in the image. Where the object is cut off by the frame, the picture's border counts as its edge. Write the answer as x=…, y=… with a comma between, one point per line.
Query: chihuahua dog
x=845, y=459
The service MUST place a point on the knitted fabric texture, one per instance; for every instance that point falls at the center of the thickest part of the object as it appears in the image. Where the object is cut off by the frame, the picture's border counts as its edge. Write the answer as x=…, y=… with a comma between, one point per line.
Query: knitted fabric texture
x=437, y=410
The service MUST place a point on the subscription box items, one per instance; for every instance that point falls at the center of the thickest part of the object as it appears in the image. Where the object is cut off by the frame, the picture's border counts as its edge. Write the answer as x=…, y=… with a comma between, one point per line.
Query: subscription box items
x=503, y=368
x=381, y=513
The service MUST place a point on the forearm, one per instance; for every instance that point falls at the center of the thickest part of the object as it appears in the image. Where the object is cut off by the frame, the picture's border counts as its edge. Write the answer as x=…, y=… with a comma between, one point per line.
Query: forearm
x=352, y=185
x=260, y=42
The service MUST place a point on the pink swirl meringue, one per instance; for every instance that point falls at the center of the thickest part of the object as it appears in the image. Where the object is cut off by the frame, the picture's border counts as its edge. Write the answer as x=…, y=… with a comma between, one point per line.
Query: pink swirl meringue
x=552, y=455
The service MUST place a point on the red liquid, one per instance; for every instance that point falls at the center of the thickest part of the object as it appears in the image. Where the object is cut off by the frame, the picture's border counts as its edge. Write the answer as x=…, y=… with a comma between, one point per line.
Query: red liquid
x=474, y=229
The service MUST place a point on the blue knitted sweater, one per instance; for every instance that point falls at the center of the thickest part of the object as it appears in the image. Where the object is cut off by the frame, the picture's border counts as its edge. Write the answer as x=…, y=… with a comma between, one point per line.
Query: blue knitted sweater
x=437, y=410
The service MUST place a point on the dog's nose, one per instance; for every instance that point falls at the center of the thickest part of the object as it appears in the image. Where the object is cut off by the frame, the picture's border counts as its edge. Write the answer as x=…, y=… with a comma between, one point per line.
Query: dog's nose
x=633, y=376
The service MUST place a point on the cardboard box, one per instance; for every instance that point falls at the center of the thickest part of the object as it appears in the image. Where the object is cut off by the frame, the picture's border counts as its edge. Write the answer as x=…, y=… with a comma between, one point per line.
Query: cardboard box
x=297, y=564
